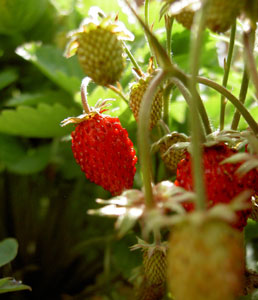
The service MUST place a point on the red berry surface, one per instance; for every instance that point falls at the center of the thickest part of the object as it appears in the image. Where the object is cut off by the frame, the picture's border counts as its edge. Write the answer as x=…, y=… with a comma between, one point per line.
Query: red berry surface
x=221, y=181
x=105, y=153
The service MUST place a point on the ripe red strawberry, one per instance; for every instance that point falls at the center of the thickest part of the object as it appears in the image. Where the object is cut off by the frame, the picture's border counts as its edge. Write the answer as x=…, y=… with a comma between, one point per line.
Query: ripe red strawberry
x=105, y=153
x=206, y=260
x=222, y=182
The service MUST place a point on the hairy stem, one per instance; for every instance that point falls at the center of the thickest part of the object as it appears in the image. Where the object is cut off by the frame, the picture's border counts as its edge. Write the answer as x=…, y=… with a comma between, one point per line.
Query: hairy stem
x=227, y=65
x=84, y=85
x=186, y=94
x=169, y=24
x=166, y=97
x=143, y=136
x=249, y=39
x=242, y=96
x=196, y=142
x=239, y=106
x=118, y=92
x=132, y=59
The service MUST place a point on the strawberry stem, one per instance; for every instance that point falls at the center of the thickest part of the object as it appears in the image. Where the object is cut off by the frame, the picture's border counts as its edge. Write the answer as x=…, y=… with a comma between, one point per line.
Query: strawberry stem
x=169, y=24
x=242, y=96
x=241, y=108
x=132, y=59
x=227, y=64
x=196, y=142
x=146, y=19
x=186, y=94
x=143, y=136
x=118, y=92
x=166, y=97
x=248, y=39
x=84, y=85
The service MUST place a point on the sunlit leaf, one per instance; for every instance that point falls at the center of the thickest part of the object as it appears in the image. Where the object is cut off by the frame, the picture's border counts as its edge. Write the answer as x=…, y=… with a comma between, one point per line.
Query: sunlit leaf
x=50, y=60
x=42, y=121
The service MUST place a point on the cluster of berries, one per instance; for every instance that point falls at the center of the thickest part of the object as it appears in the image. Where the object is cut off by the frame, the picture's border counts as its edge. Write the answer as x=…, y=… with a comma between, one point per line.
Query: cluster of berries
x=106, y=155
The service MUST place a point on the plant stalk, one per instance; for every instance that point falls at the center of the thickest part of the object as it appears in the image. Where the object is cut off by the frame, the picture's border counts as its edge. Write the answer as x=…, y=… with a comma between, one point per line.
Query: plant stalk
x=196, y=142
x=132, y=59
x=118, y=92
x=242, y=97
x=241, y=108
x=248, y=40
x=143, y=136
x=169, y=24
x=186, y=94
x=227, y=65
x=84, y=86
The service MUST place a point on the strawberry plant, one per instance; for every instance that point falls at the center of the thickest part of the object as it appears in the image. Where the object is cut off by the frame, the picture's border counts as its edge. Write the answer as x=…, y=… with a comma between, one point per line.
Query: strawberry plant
x=144, y=115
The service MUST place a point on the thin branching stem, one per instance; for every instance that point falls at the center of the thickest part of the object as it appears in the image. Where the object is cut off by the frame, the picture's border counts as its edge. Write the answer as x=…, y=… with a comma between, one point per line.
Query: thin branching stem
x=242, y=97
x=241, y=108
x=186, y=94
x=227, y=65
x=84, y=86
x=143, y=136
x=118, y=92
x=196, y=141
x=248, y=40
x=132, y=59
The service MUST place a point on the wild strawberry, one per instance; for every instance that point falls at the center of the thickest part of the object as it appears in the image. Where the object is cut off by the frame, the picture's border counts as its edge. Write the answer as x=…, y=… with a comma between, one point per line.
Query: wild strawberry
x=155, y=265
x=170, y=150
x=150, y=292
x=103, y=150
x=136, y=94
x=205, y=260
x=185, y=17
x=221, y=14
x=251, y=11
x=152, y=286
x=100, y=49
x=221, y=180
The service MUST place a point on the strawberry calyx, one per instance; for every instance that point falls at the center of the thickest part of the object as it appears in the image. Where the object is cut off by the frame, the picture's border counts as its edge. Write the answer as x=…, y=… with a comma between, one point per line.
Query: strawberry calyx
x=88, y=111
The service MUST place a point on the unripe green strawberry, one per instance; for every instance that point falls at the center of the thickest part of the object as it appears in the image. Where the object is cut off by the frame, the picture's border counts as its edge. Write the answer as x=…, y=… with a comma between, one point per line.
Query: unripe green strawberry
x=170, y=153
x=136, y=94
x=100, y=49
x=100, y=54
x=155, y=265
x=205, y=260
x=150, y=292
x=251, y=11
x=221, y=14
x=185, y=17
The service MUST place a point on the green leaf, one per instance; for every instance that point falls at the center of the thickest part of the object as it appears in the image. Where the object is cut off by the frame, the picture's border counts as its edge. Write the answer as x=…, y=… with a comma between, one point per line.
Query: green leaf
x=124, y=259
x=7, y=77
x=33, y=161
x=42, y=121
x=11, y=150
x=66, y=73
x=8, y=251
x=47, y=96
x=11, y=285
